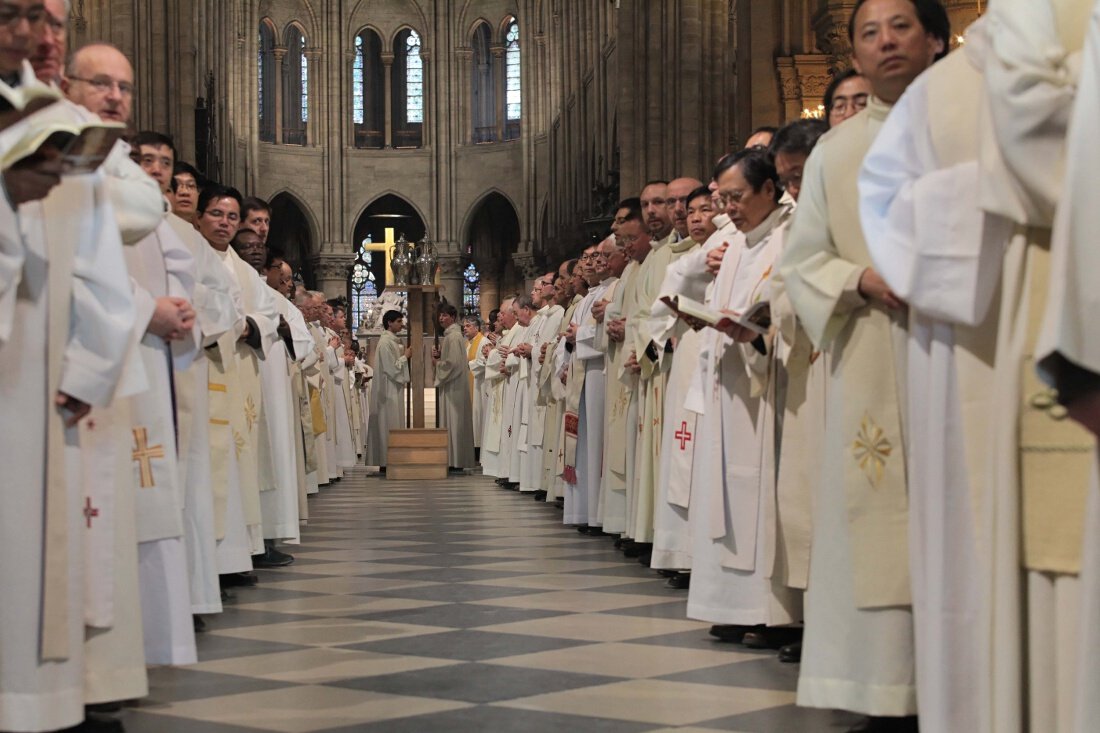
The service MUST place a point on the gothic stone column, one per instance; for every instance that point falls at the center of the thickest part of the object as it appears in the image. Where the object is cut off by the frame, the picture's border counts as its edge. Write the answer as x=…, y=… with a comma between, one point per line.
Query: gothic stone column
x=332, y=269
x=450, y=279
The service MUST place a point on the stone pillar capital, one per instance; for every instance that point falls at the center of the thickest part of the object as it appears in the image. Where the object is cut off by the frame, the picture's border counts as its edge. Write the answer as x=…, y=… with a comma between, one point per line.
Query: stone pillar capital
x=387, y=59
x=279, y=52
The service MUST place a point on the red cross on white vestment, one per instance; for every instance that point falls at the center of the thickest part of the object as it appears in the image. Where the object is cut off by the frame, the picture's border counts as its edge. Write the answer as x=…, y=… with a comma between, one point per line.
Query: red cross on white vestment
x=509, y=431
x=683, y=435
x=89, y=512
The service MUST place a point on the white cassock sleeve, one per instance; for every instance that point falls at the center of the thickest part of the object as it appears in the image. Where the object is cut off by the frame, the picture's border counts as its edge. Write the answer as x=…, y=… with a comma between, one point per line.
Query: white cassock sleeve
x=12, y=252
x=822, y=286
x=1031, y=83
x=265, y=314
x=137, y=200
x=1071, y=330
x=921, y=221
x=180, y=267
x=102, y=308
x=300, y=336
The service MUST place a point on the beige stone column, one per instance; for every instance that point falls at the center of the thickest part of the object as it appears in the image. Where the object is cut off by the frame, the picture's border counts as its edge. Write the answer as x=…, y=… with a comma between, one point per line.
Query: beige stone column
x=279, y=52
x=387, y=75
x=426, y=137
x=450, y=279
x=332, y=270
x=464, y=94
x=499, y=83
x=313, y=57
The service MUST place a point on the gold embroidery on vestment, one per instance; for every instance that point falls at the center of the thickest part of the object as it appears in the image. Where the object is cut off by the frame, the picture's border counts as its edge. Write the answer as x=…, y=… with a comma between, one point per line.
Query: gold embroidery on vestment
x=143, y=453
x=871, y=449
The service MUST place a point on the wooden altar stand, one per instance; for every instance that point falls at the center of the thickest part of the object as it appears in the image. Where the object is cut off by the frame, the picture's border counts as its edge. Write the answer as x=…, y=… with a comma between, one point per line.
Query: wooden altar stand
x=418, y=453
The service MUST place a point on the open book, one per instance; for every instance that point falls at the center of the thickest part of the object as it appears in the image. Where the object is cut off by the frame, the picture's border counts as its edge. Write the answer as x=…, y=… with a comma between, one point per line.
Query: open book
x=81, y=147
x=23, y=101
x=757, y=318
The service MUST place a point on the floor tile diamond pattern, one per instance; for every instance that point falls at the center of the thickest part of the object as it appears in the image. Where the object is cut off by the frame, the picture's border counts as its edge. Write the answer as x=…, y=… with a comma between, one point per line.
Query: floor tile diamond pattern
x=458, y=606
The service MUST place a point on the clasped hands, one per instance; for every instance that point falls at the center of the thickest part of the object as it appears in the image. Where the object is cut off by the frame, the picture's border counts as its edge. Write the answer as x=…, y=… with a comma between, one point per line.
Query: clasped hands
x=173, y=318
x=616, y=330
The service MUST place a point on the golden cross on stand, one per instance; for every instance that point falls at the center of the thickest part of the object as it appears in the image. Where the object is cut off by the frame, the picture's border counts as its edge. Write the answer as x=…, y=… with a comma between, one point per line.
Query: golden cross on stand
x=143, y=454
x=384, y=248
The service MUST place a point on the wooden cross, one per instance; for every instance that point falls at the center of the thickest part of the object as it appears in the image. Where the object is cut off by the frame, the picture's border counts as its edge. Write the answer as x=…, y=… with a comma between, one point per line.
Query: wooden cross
x=89, y=512
x=143, y=454
x=683, y=435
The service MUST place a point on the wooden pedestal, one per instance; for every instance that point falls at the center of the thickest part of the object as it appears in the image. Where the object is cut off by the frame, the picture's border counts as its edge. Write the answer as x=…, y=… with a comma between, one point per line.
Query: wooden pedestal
x=417, y=454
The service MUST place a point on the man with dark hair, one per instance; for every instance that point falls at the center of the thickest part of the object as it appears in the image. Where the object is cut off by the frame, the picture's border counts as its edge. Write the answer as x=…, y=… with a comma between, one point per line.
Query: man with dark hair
x=761, y=137
x=187, y=182
x=453, y=391
x=250, y=247
x=219, y=218
x=656, y=213
x=256, y=215
x=858, y=648
x=845, y=96
x=790, y=148
x=471, y=331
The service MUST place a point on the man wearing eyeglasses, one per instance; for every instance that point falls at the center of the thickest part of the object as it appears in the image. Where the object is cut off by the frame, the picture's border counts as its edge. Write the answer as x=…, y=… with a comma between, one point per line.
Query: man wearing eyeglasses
x=543, y=329
x=66, y=332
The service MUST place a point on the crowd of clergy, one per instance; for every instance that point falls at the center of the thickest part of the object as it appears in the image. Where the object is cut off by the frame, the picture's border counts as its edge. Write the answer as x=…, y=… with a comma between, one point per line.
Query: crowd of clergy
x=887, y=477
x=169, y=396
x=845, y=393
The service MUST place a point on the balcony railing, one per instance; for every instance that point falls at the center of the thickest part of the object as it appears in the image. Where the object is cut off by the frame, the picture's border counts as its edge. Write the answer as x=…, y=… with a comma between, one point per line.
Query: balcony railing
x=294, y=136
x=485, y=135
x=370, y=139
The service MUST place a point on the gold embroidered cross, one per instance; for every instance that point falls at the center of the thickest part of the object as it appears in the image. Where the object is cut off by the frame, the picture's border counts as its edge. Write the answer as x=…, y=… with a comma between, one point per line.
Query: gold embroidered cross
x=144, y=453
x=871, y=449
x=250, y=412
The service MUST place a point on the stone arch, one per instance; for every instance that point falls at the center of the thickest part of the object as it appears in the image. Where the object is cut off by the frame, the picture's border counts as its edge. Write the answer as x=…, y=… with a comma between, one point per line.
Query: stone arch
x=471, y=29
x=407, y=27
x=502, y=27
x=363, y=28
x=491, y=234
x=294, y=231
x=390, y=9
x=389, y=194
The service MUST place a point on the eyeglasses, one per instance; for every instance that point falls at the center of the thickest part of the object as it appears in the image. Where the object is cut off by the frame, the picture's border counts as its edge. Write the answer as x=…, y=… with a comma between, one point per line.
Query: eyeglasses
x=843, y=104
x=794, y=179
x=185, y=185
x=36, y=16
x=731, y=198
x=104, y=85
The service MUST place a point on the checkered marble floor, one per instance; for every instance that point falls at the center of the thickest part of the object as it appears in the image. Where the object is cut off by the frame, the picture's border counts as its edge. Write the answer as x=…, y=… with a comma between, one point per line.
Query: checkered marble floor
x=458, y=606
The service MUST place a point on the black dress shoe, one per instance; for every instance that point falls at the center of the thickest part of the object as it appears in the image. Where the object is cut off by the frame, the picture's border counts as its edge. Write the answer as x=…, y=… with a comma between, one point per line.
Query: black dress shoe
x=228, y=597
x=200, y=624
x=582, y=528
x=238, y=580
x=646, y=558
x=731, y=633
x=637, y=549
x=540, y=495
x=272, y=558
x=791, y=653
x=94, y=723
x=772, y=637
x=679, y=581
x=907, y=724
x=595, y=532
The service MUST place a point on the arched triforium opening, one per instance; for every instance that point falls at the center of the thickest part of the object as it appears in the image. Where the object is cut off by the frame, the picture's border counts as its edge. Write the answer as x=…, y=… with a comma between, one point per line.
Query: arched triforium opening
x=491, y=238
x=292, y=235
x=379, y=227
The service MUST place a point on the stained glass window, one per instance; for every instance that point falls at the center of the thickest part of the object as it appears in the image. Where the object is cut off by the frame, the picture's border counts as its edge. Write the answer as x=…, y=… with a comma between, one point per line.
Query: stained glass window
x=305, y=88
x=364, y=288
x=471, y=290
x=357, y=83
x=414, y=80
x=512, y=84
